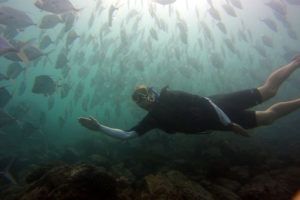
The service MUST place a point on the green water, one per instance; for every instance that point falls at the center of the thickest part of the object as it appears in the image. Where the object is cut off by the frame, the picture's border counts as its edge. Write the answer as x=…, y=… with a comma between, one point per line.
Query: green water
x=128, y=55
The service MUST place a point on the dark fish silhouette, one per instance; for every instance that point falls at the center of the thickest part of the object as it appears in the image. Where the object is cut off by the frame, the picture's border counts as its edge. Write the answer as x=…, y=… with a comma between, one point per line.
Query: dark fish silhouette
x=51, y=102
x=71, y=37
x=61, y=60
x=65, y=89
x=5, y=97
x=5, y=118
x=270, y=23
x=56, y=6
x=222, y=27
x=45, y=42
x=267, y=41
x=214, y=13
x=6, y=47
x=229, y=10
x=236, y=3
x=69, y=19
x=22, y=88
x=28, y=128
x=85, y=103
x=50, y=21
x=14, y=18
x=292, y=34
x=3, y=77
x=111, y=11
x=30, y=52
x=14, y=70
x=44, y=84
x=79, y=90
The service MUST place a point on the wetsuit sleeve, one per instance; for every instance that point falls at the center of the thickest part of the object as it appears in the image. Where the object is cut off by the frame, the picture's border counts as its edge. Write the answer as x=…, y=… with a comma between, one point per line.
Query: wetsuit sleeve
x=147, y=124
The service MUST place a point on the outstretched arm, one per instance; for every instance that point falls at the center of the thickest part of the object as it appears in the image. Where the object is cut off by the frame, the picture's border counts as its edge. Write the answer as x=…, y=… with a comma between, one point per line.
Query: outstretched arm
x=92, y=124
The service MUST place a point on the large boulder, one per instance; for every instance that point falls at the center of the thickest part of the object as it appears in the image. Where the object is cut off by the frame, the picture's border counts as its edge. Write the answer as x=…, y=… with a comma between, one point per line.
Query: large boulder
x=67, y=182
x=273, y=185
x=174, y=185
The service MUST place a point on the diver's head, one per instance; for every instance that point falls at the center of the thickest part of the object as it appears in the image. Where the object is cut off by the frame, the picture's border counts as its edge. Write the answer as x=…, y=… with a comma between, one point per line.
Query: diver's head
x=144, y=96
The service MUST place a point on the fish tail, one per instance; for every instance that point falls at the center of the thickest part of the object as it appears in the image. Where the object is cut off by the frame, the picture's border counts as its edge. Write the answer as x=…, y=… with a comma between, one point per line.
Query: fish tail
x=21, y=54
x=47, y=56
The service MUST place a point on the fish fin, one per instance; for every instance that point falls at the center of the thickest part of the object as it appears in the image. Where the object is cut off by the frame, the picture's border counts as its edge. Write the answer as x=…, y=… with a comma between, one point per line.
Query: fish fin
x=47, y=56
x=21, y=54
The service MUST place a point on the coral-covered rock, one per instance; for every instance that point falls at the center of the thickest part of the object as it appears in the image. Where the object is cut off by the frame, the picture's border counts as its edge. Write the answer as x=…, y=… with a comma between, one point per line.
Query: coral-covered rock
x=99, y=160
x=220, y=192
x=174, y=185
x=240, y=173
x=231, y=185
x=274, y=185
x=72, y=182
x=120, y=170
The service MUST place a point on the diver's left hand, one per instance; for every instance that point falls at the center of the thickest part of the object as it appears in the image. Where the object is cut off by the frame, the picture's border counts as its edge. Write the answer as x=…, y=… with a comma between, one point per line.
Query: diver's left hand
x=90, y=123
x=237, y=129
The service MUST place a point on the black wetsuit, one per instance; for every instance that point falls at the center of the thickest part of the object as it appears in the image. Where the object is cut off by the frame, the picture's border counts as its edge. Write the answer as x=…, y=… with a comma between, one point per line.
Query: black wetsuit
x=178, y=111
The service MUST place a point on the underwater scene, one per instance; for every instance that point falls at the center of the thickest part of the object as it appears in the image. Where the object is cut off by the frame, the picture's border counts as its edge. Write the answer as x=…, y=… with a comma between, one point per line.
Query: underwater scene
x=64, y=61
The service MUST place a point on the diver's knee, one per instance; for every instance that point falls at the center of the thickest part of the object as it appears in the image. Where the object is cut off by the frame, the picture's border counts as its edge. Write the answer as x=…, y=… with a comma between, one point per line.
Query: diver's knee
x=266, y=117
x=267, y=92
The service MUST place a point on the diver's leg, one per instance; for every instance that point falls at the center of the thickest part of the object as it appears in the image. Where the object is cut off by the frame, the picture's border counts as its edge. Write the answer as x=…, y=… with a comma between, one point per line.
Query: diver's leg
x=273, y=82
x=276, y=111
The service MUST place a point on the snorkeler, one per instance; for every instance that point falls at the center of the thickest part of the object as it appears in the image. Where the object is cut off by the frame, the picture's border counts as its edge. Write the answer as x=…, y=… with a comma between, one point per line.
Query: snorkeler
x=178, y=111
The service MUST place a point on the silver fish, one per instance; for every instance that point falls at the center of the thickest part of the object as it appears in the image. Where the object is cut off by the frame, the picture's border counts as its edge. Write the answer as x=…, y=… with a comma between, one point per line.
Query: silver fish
x=56, y=6
x=278, y=7
x=267, y=41
x=164, y=2
x=236, y=3
x=293, y=2
x=112, y=9
x=229, y=10
x=270, y=23
x=222, y=27
x=214, y=13
x=50, y=21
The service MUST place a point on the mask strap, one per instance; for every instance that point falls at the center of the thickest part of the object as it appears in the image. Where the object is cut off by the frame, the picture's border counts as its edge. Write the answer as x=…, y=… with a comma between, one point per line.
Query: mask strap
x=156, y=95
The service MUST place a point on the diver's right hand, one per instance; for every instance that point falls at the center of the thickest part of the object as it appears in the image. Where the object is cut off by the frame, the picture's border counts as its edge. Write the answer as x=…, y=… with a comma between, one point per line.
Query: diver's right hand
x=90, y=123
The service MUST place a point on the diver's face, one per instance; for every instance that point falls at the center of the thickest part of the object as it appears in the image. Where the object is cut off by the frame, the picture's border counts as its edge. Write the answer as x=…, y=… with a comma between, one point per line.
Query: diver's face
x=144, y=103
x=144, y=100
